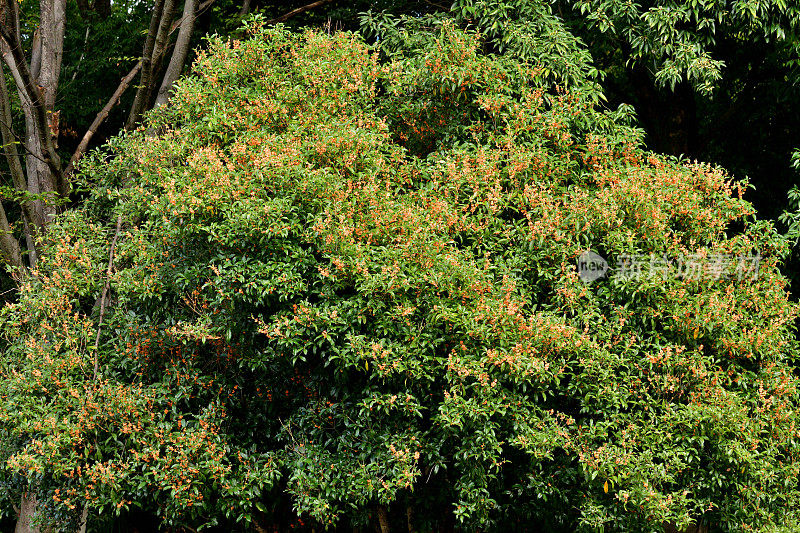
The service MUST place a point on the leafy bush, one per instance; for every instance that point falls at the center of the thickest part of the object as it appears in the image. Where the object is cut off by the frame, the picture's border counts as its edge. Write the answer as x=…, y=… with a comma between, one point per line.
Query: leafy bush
x=349, y=288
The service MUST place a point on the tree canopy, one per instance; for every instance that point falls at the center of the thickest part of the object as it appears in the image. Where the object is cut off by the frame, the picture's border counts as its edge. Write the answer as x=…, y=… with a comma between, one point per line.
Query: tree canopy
x=328, y=287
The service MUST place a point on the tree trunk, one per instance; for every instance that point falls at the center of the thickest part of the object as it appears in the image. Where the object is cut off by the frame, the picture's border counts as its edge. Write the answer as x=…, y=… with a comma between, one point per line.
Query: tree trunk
x=83, y=520
x=53, y=18
x=37, y=84
x=151, y=59
x=245, y=10
x=383, y=519
x=147, y=64
x=162, y=40
x=27, y=509
x=180, y=52
x=10, y=246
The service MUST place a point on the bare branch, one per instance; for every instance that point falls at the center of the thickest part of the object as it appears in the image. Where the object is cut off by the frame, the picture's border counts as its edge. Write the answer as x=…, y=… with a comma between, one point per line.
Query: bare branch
x=302, y=9
x=104, y=295
x=100, y=118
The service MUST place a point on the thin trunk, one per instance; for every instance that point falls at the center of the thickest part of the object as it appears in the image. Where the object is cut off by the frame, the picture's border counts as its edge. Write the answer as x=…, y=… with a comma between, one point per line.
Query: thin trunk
x=10, y=247
x=12, y=154
x=138, y=106
x=84, y=519
x=104, y=296
x=32, y=147
x=161, y=27
x=53, y=18
x=245, y=10
x=36, y=53
x=180, y=52
x=35, y=166
x=160, y=48
x=151, y=62
x=83, y=53
x=30, y=240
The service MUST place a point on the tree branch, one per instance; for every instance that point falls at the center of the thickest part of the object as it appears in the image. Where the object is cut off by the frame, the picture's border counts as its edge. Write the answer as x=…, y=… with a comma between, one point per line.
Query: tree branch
x=104, y=295
x=100, y=118
x=31, y=89
x=299, y=10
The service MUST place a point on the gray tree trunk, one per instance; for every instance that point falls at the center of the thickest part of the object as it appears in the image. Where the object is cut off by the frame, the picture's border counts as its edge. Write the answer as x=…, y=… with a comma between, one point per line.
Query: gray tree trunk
x=27, y=509
x=152, y=56
x=53, y=15
x=179, y=53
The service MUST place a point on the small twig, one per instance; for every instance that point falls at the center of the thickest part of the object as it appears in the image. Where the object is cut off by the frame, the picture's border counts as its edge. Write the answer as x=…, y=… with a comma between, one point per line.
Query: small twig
x=105, y=293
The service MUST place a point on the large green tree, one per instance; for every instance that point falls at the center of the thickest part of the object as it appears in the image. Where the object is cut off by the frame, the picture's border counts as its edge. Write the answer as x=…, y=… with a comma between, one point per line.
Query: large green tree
x=345, y=288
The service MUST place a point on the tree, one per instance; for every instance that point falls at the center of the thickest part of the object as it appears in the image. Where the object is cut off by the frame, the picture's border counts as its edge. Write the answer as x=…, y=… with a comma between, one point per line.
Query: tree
x=33, y=48
x=347, y=287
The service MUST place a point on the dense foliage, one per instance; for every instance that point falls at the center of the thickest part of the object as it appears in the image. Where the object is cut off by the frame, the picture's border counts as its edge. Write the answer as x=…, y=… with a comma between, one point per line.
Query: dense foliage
x=348, y=288
x=713, y=81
